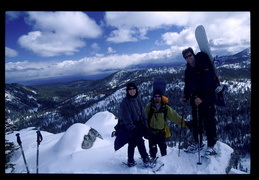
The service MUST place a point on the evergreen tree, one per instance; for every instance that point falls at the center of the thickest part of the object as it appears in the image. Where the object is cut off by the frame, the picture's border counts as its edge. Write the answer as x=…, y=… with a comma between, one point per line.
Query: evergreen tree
x=10, y=147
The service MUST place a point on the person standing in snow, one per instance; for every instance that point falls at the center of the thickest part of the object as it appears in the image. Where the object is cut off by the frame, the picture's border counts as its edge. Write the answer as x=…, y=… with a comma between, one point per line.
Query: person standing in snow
x=200, y=88
x=135, y=121
x=158, y=112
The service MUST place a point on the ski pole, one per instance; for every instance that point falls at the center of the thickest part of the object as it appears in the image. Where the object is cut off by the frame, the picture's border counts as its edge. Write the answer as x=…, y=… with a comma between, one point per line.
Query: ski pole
x=180, y=134
x=199, y=137
x=39, y=139
x=20, y=144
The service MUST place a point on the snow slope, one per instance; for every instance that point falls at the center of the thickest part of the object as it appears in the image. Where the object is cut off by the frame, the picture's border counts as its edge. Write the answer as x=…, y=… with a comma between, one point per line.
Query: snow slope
x=62, y=153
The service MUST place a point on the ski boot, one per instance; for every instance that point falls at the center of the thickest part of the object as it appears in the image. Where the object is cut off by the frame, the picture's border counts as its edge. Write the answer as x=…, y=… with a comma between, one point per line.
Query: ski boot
x=131, y=163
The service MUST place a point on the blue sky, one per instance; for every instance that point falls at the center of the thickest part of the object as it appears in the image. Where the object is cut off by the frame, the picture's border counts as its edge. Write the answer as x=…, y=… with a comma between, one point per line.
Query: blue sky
x=46, y=45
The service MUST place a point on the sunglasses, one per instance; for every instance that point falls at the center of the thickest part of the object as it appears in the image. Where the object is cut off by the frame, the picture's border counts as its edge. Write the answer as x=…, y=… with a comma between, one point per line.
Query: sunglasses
x=157, y=96
x=185, y=57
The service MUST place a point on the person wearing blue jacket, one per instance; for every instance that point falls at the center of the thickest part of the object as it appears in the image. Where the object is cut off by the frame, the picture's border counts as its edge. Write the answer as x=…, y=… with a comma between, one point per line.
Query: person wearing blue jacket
x=134, y=119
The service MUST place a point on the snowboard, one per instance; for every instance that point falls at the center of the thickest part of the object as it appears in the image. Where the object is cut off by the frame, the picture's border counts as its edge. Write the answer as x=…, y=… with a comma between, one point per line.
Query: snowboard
x=202, y=40
x=159, y=86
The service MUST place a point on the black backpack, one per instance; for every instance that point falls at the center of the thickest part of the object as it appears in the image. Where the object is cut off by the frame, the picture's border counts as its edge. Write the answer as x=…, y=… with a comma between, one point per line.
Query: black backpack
x=151, y=112
x=164, y=110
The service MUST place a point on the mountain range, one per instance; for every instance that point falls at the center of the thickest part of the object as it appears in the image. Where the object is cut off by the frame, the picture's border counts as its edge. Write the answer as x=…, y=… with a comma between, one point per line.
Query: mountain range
x=55, y=107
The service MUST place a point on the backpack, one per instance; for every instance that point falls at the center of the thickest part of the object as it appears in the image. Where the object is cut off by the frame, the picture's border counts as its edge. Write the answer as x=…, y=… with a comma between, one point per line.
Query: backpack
x=167, y=129
x=219, y=89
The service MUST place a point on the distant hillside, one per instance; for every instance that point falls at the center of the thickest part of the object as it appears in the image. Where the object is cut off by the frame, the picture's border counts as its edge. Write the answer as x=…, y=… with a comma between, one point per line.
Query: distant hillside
x=55, y=107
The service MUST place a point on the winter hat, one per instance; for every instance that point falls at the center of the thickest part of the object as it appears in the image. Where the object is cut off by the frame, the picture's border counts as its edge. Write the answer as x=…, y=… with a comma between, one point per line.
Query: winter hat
x=157, y=92
x=129, y=85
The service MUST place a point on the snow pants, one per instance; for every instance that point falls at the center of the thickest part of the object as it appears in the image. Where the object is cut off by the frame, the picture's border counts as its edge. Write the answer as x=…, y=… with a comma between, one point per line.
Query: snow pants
x=139, y=143
x=157, y=139
x=207, y=121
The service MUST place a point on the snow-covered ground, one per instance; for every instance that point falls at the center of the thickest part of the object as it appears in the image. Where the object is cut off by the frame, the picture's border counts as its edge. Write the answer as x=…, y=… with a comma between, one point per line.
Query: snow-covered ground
x=62, y=153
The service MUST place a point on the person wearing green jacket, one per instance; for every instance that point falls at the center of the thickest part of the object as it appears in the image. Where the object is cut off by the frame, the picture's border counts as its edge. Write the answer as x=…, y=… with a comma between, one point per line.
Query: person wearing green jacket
x=158, y=112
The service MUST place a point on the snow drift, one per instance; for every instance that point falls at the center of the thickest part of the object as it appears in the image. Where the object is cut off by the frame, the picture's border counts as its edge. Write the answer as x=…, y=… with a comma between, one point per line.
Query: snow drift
x=63, y=153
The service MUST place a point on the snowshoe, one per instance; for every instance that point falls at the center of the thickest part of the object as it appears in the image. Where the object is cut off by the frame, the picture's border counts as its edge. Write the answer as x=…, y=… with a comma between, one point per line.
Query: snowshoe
x=193, y=148
x=146, y=162
x=210, y=151
x=157, y=168
x=131, y=164
x=152, y=162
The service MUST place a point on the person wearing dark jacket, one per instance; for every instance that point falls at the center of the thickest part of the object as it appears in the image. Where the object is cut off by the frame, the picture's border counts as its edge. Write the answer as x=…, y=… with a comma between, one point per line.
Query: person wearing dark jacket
x=134, y=118
x=200, y=85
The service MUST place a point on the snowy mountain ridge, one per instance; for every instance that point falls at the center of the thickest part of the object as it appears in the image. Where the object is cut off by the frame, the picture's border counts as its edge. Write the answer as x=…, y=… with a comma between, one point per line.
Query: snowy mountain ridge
x=242, y=55
x=62, y=153
x=55, y=107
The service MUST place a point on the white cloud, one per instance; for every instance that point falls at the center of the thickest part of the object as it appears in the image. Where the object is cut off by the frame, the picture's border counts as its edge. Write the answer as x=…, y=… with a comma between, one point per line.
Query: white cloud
x=133, y=26
x=122, y=35
x=95, y=46
x=231, y=34
x=58, y=33
x=52, y=35
x=111, y=50
x=149, y=20
x=10, y=52
x=227, y=31
x=20, y=71
x=180, y=39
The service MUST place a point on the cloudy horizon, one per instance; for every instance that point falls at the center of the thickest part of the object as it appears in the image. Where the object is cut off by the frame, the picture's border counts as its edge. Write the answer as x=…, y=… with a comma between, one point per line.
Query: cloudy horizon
x=41, y=45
